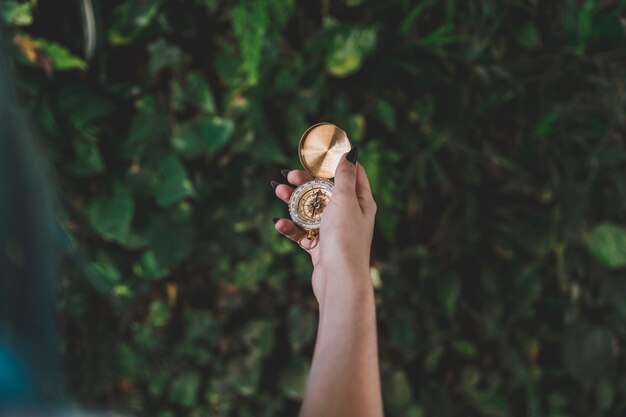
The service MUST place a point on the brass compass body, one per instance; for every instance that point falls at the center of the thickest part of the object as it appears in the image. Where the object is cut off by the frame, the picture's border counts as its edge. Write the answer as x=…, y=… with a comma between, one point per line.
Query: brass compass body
x=320, y=150
x=308, y=202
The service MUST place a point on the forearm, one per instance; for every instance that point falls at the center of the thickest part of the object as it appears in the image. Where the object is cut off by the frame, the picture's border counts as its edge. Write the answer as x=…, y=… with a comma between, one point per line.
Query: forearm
x=344, y=379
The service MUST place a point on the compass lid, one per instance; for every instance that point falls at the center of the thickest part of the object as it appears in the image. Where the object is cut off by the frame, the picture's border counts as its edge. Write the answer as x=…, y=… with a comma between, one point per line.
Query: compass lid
x=321, y=148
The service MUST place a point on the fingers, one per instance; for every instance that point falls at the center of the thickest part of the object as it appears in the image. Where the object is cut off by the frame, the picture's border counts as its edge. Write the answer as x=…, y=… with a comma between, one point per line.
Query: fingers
x=289, y=229
x=298, y=176
x=345, y=177
x=363, y=190
x=295, y=177
x=283, y=191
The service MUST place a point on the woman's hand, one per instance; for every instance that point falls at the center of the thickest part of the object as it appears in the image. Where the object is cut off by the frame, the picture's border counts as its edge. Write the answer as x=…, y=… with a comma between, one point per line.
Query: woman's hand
x=344, y=380
x=345, y=236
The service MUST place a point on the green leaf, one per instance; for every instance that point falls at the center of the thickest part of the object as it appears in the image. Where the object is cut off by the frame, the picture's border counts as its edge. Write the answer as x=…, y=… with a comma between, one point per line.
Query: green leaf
x=203, y=135
x=529, y=37
x=293, y=379
x=409, y=19
x=16, y=13
x=302, y=326
x=403, y=334
x=149, y=124
x=169, y=242
x=465, y=348
x=397, y=389
x=286, y=81
x=164, y=55
x=149, y=266
x=187, y=139
x=175, y=183
x=201, y=335
x=607, y=243
x=62, y=59
x=194, y=91
x=158, y=313
x=605, y=394
x=201, y=326
x=546, y=126
x=259, y=336
x=110, y=215
x=251, y=21
x=244, y=373
x=439, y=36
x=88, y=159
x=349, y=49
x=587, y=351
x=491, y=403
x=356, y=126
x=432, y=358
x=82, y=106
x=386, y=114
x=185, y=389
x=385, y=182
x=131, y=19
x=449, y=289
x=103, y=275
x=216, y=132
x=157, y=383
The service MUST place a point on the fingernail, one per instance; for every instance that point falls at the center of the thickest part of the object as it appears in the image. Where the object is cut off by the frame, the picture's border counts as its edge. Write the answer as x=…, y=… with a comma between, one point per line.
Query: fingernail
x=275, y=219
x=285, y=172
x=274, y=184
x=352, y=155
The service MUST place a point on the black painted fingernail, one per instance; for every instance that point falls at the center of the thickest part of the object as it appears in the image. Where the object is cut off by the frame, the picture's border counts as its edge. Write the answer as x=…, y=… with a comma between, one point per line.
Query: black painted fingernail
x=352, y=155
x=274, y=184
x=285, y=172
x=275, y=219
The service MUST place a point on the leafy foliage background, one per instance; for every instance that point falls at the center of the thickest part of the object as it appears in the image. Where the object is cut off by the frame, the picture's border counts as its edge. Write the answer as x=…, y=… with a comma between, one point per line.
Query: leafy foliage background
x=493, y=134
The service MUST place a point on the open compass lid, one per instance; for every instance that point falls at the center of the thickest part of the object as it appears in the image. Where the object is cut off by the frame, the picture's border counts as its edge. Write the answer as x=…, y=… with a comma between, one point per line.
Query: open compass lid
x=321, y=148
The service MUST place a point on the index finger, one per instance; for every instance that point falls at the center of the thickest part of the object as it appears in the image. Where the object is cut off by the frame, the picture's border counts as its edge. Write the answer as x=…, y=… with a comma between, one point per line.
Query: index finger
x=298, y=176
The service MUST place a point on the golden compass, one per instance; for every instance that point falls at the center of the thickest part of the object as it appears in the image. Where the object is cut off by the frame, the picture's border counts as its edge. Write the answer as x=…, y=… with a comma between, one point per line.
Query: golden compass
x=320, y=150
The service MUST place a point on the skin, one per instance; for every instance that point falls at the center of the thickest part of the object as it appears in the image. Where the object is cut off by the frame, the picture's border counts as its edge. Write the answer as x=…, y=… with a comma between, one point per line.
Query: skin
x=344, y=380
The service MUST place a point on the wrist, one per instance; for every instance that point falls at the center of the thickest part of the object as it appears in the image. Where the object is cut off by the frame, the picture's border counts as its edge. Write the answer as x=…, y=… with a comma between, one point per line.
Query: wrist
x=344, y=266
x=342, y=282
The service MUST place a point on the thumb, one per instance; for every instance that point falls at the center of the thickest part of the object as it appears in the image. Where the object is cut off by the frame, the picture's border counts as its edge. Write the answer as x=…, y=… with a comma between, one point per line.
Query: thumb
x=345, y=175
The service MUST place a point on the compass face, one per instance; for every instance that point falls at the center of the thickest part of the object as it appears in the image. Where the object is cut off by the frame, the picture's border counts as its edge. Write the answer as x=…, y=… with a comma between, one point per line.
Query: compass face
x=308, y=202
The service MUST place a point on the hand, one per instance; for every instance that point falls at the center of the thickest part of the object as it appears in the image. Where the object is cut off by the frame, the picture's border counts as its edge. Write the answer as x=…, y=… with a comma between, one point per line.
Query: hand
x=345, y=236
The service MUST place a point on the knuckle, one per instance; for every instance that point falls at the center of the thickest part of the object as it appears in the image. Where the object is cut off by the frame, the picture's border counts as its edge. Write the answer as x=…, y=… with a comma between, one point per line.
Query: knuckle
x=373, y=207
x=345, y=169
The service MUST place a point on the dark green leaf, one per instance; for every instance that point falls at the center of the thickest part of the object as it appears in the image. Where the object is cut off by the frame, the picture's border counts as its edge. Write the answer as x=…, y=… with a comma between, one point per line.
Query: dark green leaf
x=302, y=326
x=349, y=49
x=587, y=351
x=169, y=243
x=111, y=214
x=164, y=55
x=216, y=132
x=185, y=389
x=131, y=18
x=175, y=184
x=293, y=380
x=158, y=313
x=607, y=243
x=62, y=59
x=17, y=13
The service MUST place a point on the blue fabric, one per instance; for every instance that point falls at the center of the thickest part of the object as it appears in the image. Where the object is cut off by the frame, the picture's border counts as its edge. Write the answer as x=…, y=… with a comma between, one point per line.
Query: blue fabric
x=15, y=387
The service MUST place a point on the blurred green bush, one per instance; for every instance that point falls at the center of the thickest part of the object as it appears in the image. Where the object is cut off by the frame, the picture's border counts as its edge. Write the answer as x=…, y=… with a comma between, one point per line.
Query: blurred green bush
x=493, y=133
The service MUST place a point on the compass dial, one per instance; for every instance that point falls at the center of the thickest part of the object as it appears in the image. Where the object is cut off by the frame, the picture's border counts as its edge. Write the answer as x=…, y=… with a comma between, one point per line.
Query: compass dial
x=308, y=202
